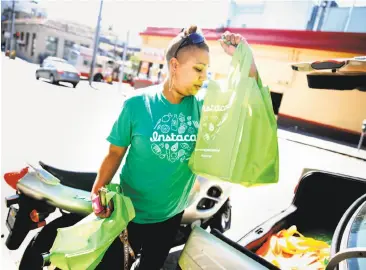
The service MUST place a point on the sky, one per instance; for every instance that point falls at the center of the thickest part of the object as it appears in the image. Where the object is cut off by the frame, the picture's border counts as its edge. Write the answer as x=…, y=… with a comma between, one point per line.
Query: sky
x=136, y=15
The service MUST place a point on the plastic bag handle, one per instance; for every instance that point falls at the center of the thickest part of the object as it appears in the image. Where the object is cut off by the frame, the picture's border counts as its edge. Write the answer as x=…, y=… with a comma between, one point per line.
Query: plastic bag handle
x=240, y=56
x=243, y=57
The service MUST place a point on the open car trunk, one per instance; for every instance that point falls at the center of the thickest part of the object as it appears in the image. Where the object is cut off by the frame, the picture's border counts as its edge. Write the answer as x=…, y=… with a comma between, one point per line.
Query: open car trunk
x=319, y=203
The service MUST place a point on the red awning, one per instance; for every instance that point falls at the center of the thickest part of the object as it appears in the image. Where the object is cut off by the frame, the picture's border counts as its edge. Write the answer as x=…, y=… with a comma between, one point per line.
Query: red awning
x=330, y=41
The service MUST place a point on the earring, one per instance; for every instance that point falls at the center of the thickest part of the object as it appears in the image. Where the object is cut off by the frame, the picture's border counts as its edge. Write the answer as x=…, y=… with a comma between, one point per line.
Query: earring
x=171, y=83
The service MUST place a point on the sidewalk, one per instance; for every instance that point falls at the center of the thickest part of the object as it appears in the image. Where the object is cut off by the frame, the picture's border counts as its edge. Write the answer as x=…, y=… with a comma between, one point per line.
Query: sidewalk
x=322, y=144
x=6, y=262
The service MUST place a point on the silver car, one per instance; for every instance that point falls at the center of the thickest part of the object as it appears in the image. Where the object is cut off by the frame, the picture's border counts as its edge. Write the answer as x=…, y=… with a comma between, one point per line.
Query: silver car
x=58, y=72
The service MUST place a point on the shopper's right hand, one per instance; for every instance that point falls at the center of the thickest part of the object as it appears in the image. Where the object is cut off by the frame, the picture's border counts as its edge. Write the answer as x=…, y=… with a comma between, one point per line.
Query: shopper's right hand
x=99, y=210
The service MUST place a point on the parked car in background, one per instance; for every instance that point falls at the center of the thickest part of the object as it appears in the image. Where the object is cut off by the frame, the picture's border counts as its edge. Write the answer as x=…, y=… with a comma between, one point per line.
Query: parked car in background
x=58, y=72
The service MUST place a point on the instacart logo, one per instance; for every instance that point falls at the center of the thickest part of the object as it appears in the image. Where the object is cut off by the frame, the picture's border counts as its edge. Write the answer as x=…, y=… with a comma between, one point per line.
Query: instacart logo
x=216, y=108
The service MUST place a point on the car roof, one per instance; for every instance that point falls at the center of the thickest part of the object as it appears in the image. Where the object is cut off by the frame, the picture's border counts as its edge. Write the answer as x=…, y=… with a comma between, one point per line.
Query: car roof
x=52, y=58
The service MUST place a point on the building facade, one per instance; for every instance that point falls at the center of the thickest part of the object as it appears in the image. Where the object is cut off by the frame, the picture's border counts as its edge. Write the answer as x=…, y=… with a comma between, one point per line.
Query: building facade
x=39, y=38
x=43, y=37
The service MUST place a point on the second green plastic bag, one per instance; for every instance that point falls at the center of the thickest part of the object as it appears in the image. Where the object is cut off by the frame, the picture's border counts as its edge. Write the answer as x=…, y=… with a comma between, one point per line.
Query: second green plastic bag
x=82, y=246
x=237, y=138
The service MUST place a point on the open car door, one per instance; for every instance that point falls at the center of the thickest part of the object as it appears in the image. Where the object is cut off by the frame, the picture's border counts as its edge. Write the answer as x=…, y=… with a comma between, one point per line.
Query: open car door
x=336, y=74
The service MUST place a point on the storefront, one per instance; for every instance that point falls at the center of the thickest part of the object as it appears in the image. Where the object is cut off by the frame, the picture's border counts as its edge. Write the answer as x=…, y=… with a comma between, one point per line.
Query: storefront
x=152, y=64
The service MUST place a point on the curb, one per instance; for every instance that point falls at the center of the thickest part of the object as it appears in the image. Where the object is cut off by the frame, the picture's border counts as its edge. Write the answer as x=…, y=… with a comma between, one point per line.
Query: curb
x=323, y=148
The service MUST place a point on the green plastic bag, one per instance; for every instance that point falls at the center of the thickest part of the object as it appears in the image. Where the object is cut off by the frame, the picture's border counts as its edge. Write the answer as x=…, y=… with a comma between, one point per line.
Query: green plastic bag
x=237, y=137
x=82, y=246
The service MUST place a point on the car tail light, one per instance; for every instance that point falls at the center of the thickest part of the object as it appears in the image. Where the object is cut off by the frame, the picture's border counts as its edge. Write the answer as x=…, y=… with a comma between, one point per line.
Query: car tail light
x=12, y=178
x=60, y=72
x=38, y=218
x=79, y=74
x=34, y=216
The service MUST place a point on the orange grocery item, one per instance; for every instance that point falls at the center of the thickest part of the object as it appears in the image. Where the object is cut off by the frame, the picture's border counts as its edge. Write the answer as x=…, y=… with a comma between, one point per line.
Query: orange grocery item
x=288, y=249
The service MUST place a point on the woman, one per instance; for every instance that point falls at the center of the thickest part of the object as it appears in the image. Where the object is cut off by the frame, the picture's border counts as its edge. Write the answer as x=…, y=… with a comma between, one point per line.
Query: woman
x=159, y=126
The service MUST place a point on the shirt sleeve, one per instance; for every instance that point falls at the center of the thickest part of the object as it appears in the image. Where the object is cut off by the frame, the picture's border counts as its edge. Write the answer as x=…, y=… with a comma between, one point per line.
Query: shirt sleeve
x=121, y=133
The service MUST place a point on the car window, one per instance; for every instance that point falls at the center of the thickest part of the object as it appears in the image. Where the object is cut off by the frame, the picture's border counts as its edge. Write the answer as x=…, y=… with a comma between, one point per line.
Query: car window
x=65, y=66
x=48, y=65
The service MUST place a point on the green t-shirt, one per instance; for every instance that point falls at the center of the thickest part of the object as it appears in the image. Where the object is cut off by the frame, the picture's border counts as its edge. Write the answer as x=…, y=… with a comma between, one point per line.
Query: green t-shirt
x=161, y=137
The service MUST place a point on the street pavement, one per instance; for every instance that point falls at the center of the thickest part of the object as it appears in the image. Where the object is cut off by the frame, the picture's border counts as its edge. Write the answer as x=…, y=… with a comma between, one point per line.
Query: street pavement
x=67, y=128
x=323, y=144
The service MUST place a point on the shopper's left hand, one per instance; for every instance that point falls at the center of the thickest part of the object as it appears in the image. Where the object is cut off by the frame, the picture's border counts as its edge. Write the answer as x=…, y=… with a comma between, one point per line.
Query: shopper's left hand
x=230, y=48
x=233, y=40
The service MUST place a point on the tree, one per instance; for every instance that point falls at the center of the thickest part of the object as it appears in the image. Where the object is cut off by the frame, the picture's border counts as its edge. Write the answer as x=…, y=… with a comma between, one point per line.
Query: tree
x=135, y=63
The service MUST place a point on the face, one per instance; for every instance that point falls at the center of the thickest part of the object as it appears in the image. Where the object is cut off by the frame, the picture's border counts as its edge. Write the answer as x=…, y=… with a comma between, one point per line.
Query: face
x=189, y=71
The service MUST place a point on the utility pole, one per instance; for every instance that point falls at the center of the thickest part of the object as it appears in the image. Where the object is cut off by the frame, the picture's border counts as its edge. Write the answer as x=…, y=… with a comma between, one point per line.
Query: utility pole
x=115, y=47
x=124, y=57
x=7, y=44
x=12, y=41
x=115, y=41
x=11, y=20
x=230, y=14
x=326, y=13
x=320, y=15
x=96, y=43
